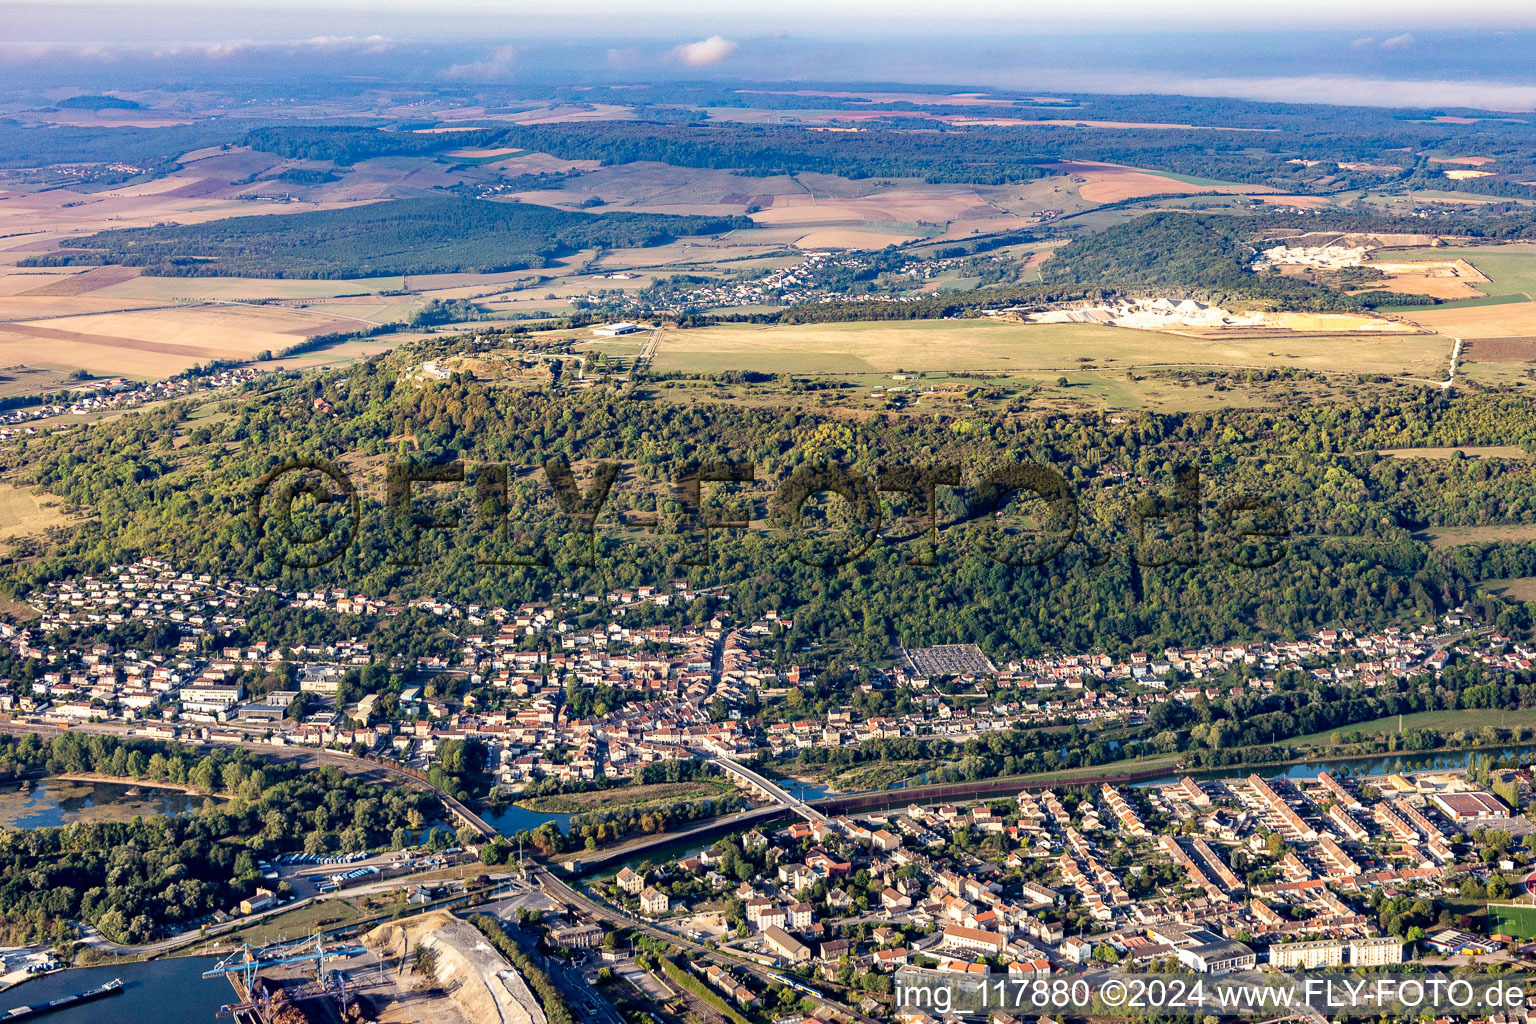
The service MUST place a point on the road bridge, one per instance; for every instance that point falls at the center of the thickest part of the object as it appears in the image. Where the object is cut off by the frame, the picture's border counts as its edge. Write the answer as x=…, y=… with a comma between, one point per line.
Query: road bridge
x=715, y=826
x=765, y=787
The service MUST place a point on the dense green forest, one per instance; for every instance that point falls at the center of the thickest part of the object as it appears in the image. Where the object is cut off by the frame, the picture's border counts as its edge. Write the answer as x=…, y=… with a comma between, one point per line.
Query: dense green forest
x=153, y=148
x=1308, y=154
x=131, y=880
x=1304, y=147
x=162, y=485
x=98, y=102
x=1240, y=726
x=404, y=236
x=909, y=149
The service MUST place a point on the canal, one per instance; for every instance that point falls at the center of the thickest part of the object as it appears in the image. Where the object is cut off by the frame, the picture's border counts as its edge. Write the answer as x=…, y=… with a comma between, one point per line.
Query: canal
x=154, y=992
x=1358, y=767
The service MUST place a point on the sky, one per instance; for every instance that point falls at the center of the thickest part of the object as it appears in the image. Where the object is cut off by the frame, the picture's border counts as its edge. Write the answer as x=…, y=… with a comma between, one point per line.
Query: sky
x=1379, y=52
x=465, y=18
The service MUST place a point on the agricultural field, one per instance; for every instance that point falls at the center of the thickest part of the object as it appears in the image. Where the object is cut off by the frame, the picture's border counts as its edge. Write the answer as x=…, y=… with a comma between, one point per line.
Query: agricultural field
x=1466, y=719
x=1498, y=328
x=24, y=514
x=1440, y=279
x=815, y=211
x=1111, y=183
x=161, y=342
x=1493, y=451
x=1510, y=269
x=1493, y=533
x=1516, y=588
x=30, y=380
x=998, y=347
x=1504, y=320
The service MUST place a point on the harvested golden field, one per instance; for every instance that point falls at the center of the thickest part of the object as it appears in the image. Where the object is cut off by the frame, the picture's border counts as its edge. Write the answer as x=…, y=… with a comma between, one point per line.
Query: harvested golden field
x=169, y=183
x=1467, y=451
x=1277, y=326
x=997, y=346
x=216, y=289
x=1473, y=161
x=156, y=342
x=1493, y=533
x=55, y=281
x=897, y=204
x=1449, y=288
x=45, y=307
x=61, y=213
x=1441, y=279
x=1505, y=320
x=1334, y=322
x=871, y=237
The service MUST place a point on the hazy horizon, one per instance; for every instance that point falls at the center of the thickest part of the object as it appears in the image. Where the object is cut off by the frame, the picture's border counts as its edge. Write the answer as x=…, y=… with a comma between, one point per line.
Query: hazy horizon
x=1359, y=54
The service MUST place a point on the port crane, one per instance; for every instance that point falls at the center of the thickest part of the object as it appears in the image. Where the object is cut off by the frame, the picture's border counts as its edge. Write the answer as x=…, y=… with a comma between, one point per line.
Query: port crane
x=246, y=962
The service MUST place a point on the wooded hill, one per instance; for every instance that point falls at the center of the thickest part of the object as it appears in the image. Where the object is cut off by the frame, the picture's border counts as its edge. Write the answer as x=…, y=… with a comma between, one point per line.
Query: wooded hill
x=438, y=235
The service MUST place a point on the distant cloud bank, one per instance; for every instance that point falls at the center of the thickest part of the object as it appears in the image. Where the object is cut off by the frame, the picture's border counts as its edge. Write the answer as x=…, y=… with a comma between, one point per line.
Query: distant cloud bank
x=705, y=52
x=1335, y=90
x=495, y=68
x=316, y=46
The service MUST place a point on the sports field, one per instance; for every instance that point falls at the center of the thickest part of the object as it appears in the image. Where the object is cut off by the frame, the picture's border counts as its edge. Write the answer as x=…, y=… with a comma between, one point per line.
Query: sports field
x=1508, y=919
x=993, y=346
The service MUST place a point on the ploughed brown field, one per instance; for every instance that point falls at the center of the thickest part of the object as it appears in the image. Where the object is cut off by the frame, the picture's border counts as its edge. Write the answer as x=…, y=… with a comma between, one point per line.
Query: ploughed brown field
x=1110, y=183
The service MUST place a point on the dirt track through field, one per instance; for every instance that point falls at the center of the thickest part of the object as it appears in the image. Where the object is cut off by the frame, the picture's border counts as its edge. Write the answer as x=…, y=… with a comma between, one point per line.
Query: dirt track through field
x=110, y=341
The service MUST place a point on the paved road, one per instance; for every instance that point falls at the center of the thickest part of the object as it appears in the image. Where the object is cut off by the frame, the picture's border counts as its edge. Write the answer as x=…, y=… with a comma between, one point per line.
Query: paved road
x=91, y=937
x=731, y=822
x=602, y=912
x=767, y=786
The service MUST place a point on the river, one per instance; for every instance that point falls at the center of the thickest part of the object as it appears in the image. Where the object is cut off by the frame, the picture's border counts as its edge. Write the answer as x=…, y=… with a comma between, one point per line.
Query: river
x=154, y=992
x=512, y=819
